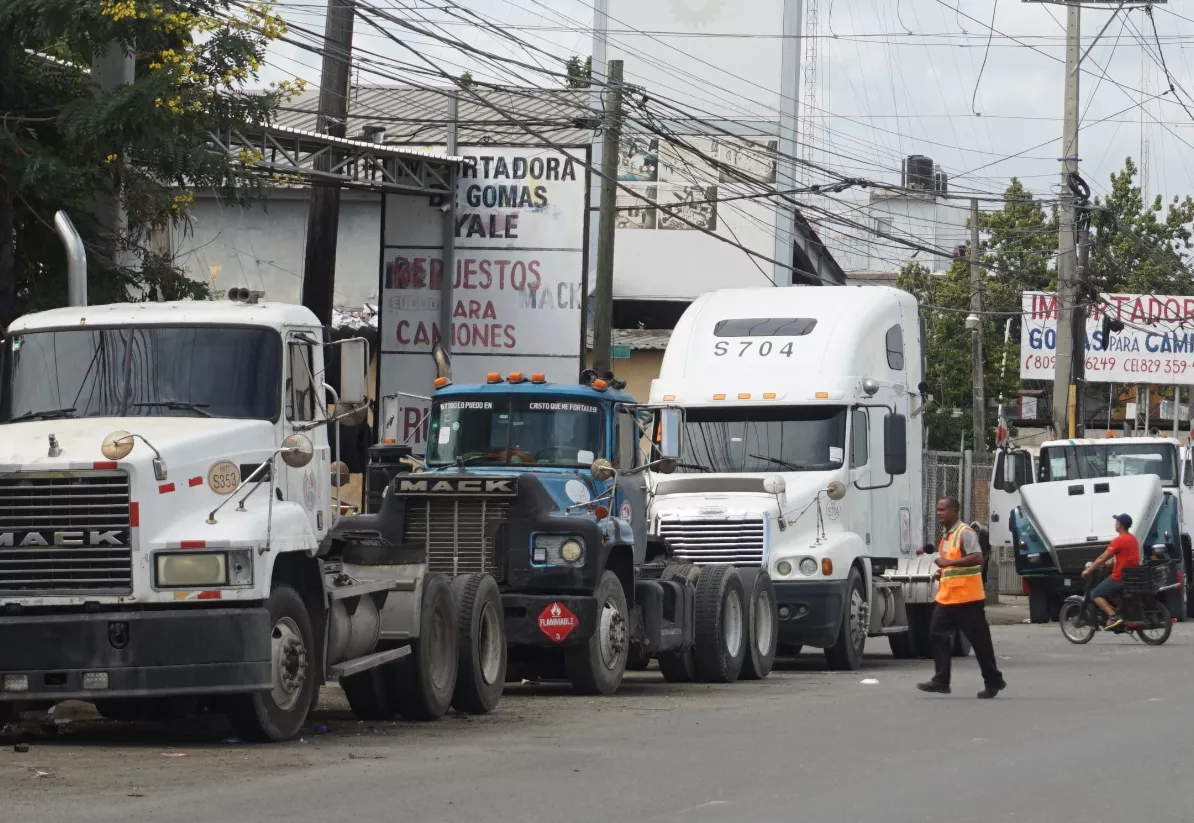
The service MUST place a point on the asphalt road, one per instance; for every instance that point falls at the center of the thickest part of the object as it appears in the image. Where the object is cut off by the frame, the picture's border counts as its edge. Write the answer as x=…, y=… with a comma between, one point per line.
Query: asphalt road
x=1098, y=732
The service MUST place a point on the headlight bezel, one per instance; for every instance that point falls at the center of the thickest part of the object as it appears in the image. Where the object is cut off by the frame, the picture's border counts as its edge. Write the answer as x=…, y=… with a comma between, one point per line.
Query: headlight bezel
x=547, y=549
x=233, y=569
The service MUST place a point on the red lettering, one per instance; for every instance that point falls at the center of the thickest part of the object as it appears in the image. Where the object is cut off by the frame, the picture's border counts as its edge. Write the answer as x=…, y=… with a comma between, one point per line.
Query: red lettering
x=459, y=311
x=403, y=328
x=470, y=269
x=463, y=338
x=502, y=273
x=490, y=313
x=510, y=341
x=422, y=338
x=474, y=309
x=518, y=276
x=414, y=425
x=437, y=274
x=486, y=274
x=418, y=273
x=1138, y=314
x=401, y=273
x=533, y=267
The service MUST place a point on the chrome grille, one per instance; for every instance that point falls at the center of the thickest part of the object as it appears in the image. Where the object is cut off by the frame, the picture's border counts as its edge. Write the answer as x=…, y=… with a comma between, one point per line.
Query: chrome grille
x=43, y=503
x=1073, y=559
x=705, y=540
x=460, y=534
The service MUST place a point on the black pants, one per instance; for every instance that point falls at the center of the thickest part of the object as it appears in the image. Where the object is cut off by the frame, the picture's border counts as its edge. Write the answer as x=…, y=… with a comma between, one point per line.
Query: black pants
x=971, y=620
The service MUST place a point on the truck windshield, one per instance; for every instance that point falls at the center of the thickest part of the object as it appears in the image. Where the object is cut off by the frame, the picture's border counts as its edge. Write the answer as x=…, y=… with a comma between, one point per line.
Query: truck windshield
x=152, y=371
x=764, y=439
x=492, y=431
x=1087, y=461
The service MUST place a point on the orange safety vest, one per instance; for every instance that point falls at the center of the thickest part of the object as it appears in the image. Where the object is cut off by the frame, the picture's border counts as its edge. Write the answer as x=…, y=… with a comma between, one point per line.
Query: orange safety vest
x=959, y=584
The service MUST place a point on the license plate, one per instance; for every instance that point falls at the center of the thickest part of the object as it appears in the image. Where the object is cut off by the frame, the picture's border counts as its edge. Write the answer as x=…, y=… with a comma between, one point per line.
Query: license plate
x=1069, y=582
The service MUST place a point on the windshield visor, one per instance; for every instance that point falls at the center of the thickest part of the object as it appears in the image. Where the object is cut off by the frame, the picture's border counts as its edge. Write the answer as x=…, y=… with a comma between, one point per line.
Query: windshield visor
x=143, y=372
x=504, y=431
x=742, y=439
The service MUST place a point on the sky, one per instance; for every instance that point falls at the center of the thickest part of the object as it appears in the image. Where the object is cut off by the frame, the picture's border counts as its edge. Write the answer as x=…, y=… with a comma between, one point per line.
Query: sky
x=975, y=84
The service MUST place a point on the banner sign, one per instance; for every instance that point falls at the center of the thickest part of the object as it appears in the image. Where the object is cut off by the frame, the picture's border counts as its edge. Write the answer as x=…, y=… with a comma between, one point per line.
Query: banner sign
x=1155, y=346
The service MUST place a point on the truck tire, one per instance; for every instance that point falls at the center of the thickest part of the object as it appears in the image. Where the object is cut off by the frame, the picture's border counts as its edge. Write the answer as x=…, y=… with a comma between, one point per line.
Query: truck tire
x=679, y=667
x=279, y=714
x=762, y=628
x=481, y=673
x=1038, y=603
x=637, y=661
x=721, y=635
x=846, y=652
x=914, y=643
x=597, y=666
x=901, y=645
x=1175, y=601
x=421, y=685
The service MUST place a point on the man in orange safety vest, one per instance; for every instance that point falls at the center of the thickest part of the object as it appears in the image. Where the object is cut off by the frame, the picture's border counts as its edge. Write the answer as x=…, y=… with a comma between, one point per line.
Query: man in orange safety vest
x=961, y=603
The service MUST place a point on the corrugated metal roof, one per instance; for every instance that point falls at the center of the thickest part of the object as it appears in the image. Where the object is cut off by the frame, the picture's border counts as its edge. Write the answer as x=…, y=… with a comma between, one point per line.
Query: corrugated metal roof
x=638, y=339
x=418, y=116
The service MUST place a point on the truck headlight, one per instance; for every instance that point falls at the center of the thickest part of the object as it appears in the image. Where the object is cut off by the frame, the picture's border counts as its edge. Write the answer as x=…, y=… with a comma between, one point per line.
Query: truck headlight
x=808, y=567
x=556, y=549
x=183, y=570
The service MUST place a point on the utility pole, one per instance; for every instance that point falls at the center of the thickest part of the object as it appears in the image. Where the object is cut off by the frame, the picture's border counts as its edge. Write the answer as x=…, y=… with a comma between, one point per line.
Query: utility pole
x=449, y=234
x=610, y=148
x=1063, y=375
x=323, y=218
x=976, y=350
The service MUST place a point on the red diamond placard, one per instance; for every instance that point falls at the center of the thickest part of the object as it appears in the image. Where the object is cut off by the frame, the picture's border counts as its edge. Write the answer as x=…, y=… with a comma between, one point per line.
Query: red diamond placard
x=557, y=622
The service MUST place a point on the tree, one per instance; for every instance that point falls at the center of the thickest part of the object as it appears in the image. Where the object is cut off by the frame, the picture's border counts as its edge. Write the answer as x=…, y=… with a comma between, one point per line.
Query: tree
x=1134, y=249
x=64, y=144
x=580, y=74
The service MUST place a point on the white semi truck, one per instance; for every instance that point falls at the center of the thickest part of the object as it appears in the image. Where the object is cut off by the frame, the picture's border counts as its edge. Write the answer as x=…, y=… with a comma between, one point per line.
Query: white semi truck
x=170, y=531
x=1045, y=488
x=803, y=451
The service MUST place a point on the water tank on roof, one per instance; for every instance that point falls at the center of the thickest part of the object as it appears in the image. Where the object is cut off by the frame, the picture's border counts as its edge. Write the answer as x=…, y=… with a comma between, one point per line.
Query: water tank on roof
x=918, y=172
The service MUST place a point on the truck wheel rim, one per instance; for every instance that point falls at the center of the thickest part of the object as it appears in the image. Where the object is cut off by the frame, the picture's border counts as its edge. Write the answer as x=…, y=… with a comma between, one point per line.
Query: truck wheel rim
x=289, y=654
x=489, y=645
x=762, y=621
x=733, y=623
x=856, y=634
x=612, y=629
x=440, y=647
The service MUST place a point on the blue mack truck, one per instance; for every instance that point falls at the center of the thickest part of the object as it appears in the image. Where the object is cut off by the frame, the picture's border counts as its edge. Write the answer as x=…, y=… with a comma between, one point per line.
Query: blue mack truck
x=545, y=488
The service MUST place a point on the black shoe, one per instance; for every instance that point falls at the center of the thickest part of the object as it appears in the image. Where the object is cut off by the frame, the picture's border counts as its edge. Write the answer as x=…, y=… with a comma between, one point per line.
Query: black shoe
x=933, y=687
x=991, y=691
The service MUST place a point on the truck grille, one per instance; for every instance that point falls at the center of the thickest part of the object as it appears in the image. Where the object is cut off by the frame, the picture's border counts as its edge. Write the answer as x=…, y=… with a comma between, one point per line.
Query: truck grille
x=34, y=506
x=460, y=535
x=704, y=541
x=1073, y=559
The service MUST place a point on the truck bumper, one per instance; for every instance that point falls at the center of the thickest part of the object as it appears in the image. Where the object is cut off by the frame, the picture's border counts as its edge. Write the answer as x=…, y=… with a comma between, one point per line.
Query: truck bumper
x=810, y=613
x=143, y=654
x=522, y=613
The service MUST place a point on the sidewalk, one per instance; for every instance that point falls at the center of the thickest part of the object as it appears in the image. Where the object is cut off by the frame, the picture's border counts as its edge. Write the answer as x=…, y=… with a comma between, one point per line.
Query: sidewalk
x=1011, y=610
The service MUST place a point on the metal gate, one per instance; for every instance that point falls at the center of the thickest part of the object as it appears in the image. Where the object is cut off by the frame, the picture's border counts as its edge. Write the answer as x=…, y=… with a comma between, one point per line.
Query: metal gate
x=961, y=475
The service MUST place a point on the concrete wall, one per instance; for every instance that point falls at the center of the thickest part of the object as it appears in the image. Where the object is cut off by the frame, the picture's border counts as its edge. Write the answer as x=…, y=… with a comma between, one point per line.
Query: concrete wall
x=262, y=247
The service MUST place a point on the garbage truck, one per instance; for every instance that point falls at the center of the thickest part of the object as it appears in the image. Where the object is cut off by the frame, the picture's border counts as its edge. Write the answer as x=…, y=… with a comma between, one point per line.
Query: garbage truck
x=170, y=534
x=544, y=485
x=802, y=452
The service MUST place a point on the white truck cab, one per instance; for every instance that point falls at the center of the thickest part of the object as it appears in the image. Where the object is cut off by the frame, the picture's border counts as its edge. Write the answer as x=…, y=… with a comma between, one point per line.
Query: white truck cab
x=802, y=451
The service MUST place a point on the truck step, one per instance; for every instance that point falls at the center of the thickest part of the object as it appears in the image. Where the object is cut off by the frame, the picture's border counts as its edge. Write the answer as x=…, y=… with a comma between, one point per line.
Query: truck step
x=366, y=587
x=889, y=630
x=369, y=661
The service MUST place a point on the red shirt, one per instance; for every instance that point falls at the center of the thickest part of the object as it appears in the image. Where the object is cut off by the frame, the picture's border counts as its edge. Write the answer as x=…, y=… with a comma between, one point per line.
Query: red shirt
x=1126, y=551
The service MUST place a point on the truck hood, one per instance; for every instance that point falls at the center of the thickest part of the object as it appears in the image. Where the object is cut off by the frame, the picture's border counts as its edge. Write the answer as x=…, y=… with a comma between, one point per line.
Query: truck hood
x=182, y=441
x=689, y=494
x=1080, y=512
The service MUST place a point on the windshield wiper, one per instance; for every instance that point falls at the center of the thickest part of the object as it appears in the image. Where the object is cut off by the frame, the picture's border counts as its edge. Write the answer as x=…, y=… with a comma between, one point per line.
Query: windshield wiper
x=176, y=405
x=795, y=467
x=697, y=466
x=47, y=414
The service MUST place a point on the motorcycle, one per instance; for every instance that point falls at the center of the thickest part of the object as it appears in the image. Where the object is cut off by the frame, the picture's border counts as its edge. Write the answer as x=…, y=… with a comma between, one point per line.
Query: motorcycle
x=1144, y=614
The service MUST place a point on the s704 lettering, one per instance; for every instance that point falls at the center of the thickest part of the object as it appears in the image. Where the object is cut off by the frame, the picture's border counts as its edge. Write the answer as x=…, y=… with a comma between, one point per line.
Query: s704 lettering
x=747, y=348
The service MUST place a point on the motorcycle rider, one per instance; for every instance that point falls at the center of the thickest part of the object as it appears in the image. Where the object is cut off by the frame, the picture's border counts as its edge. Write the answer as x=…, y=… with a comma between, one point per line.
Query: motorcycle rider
x=1125, y=549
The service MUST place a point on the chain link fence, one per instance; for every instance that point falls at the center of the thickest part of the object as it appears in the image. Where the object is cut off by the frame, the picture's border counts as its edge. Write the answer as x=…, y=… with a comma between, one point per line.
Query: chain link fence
x=967, y=477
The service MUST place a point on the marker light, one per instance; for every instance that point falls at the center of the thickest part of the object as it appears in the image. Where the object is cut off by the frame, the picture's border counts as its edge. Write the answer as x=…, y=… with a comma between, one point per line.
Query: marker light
x=601, y=512
x=822, y=395
x=769, y=395
x=538, y=378
x=669, y=398
x=719, y=397
x=516, y=377
x=493, y=377
x=440, y=382
x=826, y=566
x=600, y=385
x=744, y=396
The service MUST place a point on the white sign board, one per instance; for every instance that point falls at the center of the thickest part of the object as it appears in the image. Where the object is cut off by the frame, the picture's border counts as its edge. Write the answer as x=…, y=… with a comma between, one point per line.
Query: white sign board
x=517, y=286
x=1156, y=345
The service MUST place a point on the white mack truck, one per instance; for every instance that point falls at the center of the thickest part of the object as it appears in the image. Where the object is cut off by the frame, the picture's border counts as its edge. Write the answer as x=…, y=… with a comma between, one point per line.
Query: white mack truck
x=802, y=451
x=170, y=530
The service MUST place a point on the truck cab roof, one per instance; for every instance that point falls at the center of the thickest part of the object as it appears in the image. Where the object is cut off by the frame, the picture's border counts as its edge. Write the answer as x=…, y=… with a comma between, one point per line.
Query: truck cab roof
x=557, y=390
x=177, y=313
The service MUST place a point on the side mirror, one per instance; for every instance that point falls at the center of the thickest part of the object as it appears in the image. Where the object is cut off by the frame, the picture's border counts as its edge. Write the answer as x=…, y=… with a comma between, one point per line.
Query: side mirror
x=340, y=474
x=669, y=427
x=895, y=444
x=602, y=470
x=354, y=365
